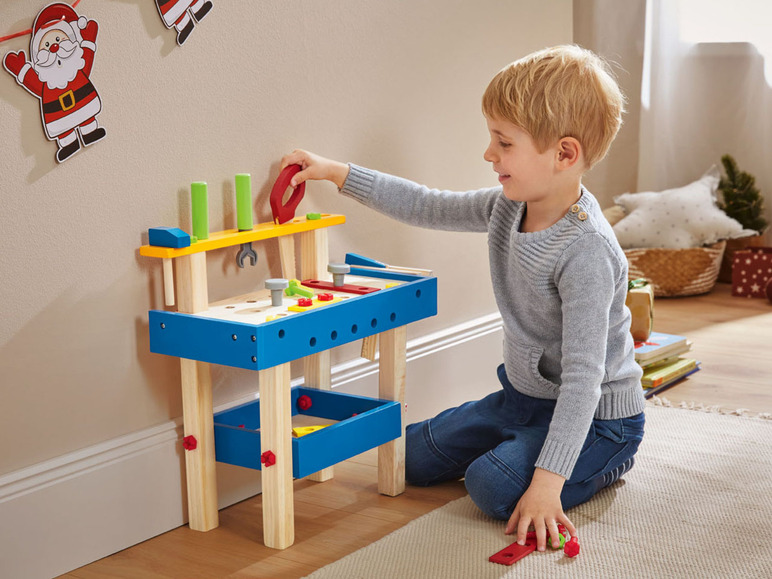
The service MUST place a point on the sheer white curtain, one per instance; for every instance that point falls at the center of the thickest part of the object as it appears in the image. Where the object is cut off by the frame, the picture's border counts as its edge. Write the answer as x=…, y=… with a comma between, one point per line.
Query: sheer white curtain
x=702, y=91
x=700, y=100
x=615, y=30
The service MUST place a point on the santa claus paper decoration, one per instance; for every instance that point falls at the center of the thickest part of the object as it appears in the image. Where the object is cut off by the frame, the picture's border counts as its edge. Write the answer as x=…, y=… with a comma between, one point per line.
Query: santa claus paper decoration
x=58, y=73
x=182, y=15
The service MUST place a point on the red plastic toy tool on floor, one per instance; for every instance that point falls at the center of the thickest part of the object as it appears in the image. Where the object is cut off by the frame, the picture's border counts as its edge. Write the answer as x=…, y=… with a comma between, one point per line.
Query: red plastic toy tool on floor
x=572, y=547
x=513, y=553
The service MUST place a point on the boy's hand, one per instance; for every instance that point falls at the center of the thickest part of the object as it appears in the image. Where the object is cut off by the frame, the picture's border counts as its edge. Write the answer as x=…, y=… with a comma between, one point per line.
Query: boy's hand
x=315, y=167
x=540, y=506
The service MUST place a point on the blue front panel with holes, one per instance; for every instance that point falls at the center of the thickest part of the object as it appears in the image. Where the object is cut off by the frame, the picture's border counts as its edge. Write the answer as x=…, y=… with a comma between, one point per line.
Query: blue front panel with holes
x=364, y=423
x=260, y=346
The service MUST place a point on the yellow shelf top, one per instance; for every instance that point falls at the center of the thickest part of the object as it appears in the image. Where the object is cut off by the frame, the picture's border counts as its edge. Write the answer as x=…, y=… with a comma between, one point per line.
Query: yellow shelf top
x=231, y=237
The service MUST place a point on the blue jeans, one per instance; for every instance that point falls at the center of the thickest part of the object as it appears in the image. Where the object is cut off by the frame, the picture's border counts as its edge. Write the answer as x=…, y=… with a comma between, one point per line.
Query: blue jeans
x=494, y=443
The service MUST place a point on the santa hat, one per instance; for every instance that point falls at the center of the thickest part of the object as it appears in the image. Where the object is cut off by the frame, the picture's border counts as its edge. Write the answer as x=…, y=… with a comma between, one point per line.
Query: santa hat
x=57, y=16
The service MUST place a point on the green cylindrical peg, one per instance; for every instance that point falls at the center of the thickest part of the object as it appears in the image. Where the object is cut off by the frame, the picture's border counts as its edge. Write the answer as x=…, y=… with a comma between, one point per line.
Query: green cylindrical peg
x=244, y=201
x=200, y=209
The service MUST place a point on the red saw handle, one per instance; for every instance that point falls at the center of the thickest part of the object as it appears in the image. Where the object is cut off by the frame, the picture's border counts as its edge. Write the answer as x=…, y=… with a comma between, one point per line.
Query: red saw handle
x=284, y=213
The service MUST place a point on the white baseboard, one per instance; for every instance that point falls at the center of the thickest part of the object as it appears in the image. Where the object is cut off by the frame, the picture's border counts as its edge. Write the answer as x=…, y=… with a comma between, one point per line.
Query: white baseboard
x=69, y=511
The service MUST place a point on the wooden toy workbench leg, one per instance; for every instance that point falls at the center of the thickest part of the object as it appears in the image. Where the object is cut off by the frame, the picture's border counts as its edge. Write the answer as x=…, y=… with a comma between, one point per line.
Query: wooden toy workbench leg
x=287, y=256
x=317, y=371
x=276, y=437
x=317, y=374
x=391, y=386
x=197, y=403
x=314, y=254
x=197, y=415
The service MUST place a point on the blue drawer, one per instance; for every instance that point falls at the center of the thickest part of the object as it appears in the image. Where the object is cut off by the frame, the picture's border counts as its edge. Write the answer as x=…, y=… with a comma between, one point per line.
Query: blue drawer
x=364, y=423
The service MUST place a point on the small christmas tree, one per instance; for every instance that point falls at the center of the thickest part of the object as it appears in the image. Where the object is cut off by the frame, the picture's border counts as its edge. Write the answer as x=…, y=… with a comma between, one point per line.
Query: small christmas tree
x=741, y=199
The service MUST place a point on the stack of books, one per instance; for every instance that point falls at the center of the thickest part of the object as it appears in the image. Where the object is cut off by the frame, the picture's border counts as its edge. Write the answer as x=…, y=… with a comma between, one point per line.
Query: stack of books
x=661, y=357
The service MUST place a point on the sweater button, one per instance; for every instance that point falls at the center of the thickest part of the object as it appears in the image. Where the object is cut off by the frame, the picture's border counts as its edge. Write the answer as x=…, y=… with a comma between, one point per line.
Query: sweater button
x=575, y=208
x=582, y=216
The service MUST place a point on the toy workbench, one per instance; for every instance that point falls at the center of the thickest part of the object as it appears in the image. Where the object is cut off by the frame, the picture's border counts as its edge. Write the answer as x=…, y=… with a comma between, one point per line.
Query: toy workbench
x=293, y=317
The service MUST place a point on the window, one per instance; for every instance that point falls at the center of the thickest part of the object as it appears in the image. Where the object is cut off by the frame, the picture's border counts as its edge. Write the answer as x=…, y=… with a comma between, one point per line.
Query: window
x=719, y=21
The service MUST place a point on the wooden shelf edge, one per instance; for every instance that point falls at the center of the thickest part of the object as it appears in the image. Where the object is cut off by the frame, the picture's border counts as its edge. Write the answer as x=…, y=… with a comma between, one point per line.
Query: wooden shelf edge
x=232, y=237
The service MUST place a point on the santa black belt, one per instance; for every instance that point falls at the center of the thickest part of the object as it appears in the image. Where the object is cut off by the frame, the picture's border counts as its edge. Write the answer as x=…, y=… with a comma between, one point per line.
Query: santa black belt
x=69, y=99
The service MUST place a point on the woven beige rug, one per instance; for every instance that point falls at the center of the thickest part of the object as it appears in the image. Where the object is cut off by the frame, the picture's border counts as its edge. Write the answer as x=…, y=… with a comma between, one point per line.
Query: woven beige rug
x=697, y=504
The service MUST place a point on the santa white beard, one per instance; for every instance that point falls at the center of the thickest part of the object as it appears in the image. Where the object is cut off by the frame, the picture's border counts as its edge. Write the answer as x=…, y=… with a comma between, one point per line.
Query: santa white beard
x=58, y=69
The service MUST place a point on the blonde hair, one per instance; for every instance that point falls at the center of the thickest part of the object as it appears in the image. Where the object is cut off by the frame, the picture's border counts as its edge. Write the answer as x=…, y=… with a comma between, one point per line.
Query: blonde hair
x=563, y=91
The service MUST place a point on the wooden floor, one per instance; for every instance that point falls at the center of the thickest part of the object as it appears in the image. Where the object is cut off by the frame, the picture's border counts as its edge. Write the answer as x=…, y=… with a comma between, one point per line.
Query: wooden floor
x=332, y=519
x=731, y=336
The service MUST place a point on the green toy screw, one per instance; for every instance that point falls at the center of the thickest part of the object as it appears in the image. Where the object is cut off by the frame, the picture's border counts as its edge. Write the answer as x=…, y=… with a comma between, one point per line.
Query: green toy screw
x=200, y=210
x=244, y=201
x=562, y=540
x=295, y=289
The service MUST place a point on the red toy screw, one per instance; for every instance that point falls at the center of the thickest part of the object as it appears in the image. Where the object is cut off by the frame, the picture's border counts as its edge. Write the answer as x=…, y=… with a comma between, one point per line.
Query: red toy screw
x=268, y=458
x=304, y=402
x=189, y=443
x=325, y=297
x=305, y=302
x=572, y=547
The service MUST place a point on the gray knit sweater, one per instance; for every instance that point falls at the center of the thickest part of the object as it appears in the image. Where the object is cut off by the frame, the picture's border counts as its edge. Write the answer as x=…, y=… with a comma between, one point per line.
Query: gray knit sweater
x=561, y=293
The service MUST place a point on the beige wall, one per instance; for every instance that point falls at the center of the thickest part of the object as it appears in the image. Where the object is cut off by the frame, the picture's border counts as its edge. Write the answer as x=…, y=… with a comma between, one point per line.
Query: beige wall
x=394, y=85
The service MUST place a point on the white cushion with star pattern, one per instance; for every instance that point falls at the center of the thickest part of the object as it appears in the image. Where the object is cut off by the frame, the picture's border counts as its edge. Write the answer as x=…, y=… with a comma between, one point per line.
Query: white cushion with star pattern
x=676, y=218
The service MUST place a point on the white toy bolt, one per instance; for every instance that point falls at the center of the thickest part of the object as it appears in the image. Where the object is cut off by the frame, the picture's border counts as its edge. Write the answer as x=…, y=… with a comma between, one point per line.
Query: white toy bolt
x=277, y=287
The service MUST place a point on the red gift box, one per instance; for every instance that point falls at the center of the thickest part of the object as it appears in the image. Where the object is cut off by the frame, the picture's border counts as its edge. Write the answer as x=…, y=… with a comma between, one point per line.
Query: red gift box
x=751, y=270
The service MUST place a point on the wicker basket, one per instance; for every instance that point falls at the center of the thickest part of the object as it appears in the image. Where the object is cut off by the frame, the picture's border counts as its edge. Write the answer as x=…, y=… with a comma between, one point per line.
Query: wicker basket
x=677, y=272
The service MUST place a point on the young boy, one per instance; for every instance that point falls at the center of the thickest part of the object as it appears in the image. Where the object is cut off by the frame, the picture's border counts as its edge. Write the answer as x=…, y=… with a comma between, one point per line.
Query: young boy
x=569, y=417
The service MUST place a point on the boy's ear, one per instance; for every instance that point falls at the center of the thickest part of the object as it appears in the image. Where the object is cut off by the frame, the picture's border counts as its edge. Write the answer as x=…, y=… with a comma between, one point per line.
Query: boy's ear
x=569, y=152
